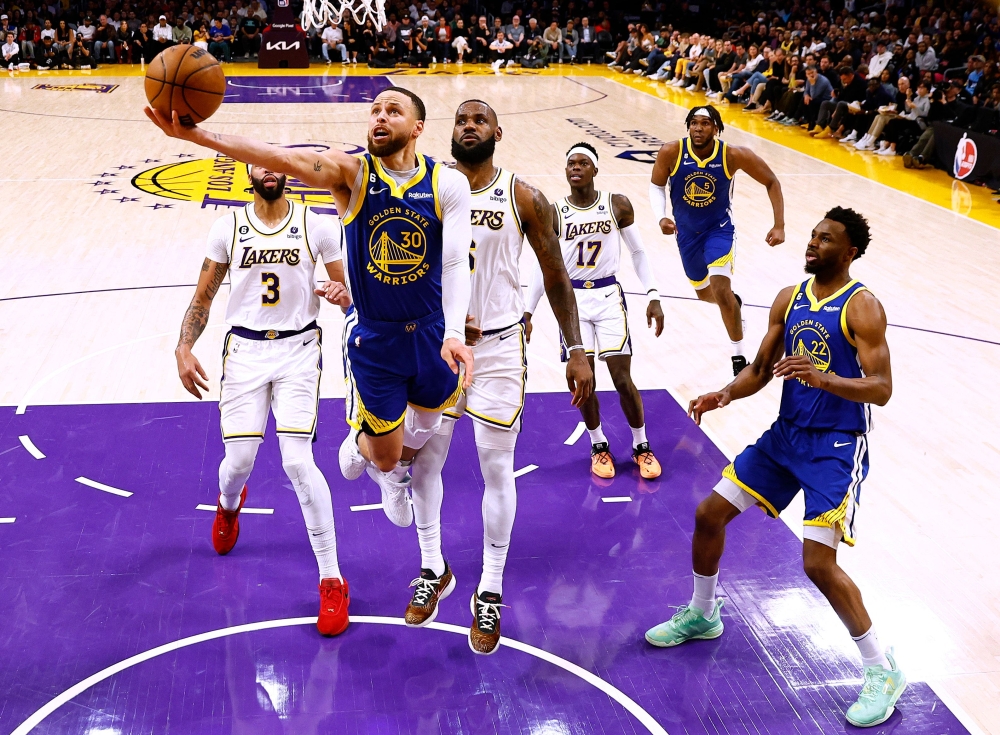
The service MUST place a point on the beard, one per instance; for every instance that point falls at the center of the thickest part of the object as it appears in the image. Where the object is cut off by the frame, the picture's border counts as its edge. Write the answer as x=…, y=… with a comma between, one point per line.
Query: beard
x=478, y=153
x=390, y=147
x=269, y=195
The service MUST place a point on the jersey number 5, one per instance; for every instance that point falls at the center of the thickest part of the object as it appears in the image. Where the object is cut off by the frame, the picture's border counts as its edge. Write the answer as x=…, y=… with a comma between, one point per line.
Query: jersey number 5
x=595, y=250
x=273, y=295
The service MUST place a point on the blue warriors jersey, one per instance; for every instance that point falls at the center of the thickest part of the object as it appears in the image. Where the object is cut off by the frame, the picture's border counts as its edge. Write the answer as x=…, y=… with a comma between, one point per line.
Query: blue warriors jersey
x=393, y=244
x=819, y=330
x=701, y=191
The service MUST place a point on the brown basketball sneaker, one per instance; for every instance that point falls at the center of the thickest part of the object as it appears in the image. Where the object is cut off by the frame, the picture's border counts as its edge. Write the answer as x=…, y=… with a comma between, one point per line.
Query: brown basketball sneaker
x=484, y=635
x=430, y=590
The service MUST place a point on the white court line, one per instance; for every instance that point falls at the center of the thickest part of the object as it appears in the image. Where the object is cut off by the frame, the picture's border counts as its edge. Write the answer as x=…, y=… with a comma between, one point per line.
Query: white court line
x=577, y=433
x=251, y=511
x=526, y=470
x=373, y=506
x=74, y=691
x=101, y=486
x=617, y=499
x=7, y=520
x=30, y=446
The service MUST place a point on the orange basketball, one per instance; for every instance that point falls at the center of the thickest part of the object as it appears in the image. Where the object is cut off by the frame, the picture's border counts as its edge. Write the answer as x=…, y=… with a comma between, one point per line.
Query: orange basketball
x=187, y=79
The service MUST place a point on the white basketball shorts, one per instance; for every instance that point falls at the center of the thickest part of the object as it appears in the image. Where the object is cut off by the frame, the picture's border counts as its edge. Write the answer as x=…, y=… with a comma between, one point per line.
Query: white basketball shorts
x=281, y=375
x=603, y=322
x=496, y=396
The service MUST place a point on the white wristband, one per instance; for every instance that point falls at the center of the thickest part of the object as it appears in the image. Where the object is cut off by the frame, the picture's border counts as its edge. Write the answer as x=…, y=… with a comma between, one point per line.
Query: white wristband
x=574, y=347
x=653, y=294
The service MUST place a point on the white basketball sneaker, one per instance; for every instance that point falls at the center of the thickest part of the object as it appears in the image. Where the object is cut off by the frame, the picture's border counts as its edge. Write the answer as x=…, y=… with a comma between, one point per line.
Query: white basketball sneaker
x=396, y=503
x=352, y=464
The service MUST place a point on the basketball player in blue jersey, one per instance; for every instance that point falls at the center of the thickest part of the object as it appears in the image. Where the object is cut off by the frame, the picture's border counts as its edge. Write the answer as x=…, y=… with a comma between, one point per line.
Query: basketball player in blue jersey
x=407, y=234
x=700, y=170
x=826, y=340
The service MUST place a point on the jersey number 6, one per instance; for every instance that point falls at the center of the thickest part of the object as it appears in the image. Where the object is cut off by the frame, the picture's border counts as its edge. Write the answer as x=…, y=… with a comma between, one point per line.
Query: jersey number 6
x=273, y=296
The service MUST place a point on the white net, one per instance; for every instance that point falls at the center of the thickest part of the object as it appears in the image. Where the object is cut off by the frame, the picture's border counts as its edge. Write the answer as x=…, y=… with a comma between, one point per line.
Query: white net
x=320, y=13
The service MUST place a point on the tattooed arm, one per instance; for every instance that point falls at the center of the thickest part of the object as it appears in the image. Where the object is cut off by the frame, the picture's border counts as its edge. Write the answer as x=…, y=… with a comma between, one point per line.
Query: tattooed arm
x=191, y=372
x=535, y=214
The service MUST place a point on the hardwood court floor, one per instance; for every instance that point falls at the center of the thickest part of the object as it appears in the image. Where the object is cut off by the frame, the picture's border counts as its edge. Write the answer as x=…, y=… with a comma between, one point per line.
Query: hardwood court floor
x=98, y=276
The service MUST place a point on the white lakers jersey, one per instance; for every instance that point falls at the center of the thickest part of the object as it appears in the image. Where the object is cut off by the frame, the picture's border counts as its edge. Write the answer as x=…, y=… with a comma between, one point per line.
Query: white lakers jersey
x=496, y=249
x=272, y=271
x=591, y=243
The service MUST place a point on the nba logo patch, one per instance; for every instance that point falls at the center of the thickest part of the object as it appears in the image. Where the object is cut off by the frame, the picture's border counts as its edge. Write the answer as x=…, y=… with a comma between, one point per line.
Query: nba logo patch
x=966, y=155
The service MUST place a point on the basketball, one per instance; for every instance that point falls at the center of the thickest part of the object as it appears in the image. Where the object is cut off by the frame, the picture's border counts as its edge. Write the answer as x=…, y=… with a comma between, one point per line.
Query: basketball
x=185, y=79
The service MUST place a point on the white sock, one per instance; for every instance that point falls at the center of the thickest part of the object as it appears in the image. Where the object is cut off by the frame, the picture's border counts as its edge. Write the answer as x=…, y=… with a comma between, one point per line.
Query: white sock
x=704, y=593
x=597, y=435
x=428, y=493
x=499, y=503
x=872, y=653
x=638, y=435
x=399, y=471
x=235, y=470
x=313, y=493
x=737, y=348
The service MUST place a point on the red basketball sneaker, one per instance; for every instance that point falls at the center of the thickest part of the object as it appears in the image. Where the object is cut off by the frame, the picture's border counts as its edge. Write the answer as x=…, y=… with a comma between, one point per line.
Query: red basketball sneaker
x=226, y=528
x=334, y=599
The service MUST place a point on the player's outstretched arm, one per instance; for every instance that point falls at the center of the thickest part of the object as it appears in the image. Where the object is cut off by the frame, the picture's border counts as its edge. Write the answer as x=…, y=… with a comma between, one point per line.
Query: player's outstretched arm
x=666, y=157
x=535, y=213
x=866, y=321
x=332, y=170
x=192, y=374
x=746, y=160
x=456, y=278
x=625, y=217
x=758, y=373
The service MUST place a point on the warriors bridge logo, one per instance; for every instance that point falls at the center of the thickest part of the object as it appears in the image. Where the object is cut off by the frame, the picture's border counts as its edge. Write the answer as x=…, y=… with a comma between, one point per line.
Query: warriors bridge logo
x=699, y=189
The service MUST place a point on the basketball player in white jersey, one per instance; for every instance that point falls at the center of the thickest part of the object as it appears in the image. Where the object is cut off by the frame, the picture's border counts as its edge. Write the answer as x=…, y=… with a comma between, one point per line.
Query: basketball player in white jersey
x=504, y=210
x=272, y=360
x=591, y=226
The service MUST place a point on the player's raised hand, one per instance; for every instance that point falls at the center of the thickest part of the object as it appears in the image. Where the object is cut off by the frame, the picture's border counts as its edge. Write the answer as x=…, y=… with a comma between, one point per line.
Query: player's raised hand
x=708, y=402
x=336, y=293
x=655, y=313
x=171, y=125
x=579, y=377
x=801, y=367
x=472, y=333
x=775, y=236
x=667, y=226
x=527, y=327
x=454, y=352
x=192, y=374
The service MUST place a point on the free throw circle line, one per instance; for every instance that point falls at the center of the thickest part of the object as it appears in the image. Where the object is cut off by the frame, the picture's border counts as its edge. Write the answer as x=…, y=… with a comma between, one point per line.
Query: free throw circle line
x=51, y=706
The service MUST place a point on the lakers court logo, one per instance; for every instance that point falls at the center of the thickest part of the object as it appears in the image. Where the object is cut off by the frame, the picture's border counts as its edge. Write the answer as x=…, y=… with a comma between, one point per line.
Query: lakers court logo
x=397, y=246
x=699, y=189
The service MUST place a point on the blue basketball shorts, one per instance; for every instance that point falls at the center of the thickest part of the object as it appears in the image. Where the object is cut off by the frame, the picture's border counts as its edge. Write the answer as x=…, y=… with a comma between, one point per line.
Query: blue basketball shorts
x=828, y=466
x=708, y=253
x=390, y=365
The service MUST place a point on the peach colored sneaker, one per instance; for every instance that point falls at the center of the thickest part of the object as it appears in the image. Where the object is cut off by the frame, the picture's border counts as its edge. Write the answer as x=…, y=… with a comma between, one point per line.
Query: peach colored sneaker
x=602, y=463
x=649, y=467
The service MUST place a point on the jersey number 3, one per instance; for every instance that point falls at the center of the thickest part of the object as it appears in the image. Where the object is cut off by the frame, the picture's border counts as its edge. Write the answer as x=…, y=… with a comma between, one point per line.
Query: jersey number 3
x=273, y=295
x=594, y=248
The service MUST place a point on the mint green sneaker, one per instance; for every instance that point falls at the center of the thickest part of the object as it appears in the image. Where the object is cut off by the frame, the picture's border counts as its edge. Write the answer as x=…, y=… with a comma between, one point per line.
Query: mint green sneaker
x=688, y=624
x=877, y=700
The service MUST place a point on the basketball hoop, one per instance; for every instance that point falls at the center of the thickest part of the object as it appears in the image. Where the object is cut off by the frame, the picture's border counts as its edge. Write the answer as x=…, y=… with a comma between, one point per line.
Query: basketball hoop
x=319, y=13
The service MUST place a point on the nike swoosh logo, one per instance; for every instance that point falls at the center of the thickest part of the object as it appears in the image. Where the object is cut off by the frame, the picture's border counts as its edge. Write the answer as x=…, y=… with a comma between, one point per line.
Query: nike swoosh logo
x=307, y=342
x=505, y=336
x=373, y=191
x=800, y=306
x=244, y=239
x=840, y=444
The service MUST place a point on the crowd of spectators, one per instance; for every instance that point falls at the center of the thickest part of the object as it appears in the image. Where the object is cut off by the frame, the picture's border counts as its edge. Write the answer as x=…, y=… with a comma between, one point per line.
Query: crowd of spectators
x=872, y=78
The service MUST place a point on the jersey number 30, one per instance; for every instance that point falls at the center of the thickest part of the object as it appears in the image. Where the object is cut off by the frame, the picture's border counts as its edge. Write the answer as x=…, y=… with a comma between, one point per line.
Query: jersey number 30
x=594, y=248
x=273, y=295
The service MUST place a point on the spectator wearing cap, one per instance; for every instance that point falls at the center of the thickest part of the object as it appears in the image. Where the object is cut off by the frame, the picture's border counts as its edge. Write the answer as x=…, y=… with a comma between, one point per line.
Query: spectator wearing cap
x=974, y=76
x=879, y=60
x=926, y=58
x=220, y=39
x=85, y=35
x=163, y=35
x=181, y=31
x=11, y=51
x=832, y=112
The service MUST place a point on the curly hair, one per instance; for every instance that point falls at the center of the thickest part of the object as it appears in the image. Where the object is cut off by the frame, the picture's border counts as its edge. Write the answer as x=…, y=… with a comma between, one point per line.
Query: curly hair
x=712, y=113
x=856, y=226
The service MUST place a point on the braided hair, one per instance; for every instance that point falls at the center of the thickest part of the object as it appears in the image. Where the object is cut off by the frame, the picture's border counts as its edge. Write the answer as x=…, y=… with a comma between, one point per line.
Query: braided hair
x=712, y=113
